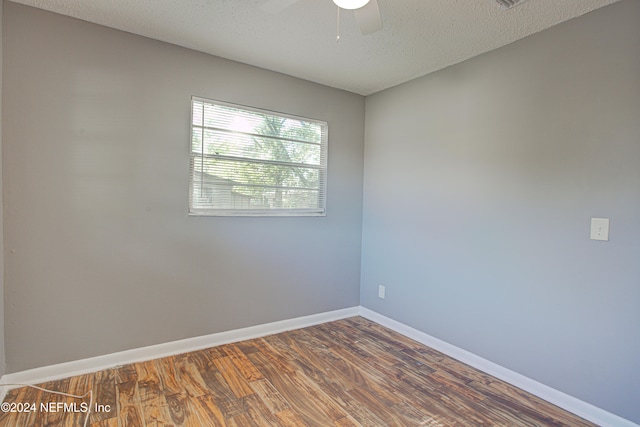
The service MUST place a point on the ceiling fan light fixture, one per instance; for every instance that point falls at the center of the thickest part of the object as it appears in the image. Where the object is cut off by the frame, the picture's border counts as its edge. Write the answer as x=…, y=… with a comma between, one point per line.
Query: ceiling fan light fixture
x=350, y=4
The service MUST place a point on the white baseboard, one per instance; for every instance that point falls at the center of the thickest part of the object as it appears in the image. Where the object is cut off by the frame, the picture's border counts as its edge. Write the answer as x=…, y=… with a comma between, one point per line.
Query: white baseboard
x=98, y=363
x=576, y=406
x=94, y=364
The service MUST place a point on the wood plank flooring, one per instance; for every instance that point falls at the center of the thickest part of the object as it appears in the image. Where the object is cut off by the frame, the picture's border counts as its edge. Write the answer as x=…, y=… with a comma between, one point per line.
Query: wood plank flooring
x=351, y=372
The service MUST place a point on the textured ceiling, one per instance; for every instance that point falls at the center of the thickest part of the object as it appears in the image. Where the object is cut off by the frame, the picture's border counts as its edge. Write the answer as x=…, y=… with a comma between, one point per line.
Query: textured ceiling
x=418, y=36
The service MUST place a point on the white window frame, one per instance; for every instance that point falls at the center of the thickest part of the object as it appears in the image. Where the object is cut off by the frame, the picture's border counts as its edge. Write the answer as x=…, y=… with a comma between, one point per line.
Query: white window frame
x=321, y=167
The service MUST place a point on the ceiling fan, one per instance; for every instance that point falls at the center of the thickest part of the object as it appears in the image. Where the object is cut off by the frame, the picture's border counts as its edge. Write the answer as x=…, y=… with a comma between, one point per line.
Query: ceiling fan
x=366, y=12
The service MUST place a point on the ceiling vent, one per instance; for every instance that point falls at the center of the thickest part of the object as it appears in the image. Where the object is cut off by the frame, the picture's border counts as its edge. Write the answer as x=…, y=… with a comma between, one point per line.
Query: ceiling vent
x=508, y=4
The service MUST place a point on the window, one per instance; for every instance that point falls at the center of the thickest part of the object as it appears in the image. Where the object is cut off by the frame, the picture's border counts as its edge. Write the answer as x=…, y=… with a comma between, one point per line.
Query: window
x=246, y=161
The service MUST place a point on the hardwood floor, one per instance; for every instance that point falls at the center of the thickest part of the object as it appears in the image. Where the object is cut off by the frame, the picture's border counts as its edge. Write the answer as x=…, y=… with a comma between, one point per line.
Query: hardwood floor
x=351, y=372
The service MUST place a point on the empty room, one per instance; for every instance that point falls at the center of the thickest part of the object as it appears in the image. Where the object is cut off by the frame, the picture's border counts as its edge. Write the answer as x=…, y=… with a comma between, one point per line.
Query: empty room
x=320, y=213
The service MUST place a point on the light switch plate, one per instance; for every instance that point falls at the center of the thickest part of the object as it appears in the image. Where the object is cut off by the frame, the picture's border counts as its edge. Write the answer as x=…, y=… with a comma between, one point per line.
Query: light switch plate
x=600, y=229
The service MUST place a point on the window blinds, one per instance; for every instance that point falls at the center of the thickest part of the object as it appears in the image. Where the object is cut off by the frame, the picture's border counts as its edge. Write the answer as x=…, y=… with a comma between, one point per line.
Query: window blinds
x=247, y=161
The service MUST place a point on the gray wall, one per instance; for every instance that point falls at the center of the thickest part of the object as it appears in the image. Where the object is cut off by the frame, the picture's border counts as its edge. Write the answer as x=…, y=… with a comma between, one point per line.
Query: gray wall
x=480, y=182
x=1, y=237
x=100, y=253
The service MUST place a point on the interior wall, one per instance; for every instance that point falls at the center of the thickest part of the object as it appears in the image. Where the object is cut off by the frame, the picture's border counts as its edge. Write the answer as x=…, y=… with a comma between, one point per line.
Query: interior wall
x=101, y=254
x=2, y=367
x=480, y=183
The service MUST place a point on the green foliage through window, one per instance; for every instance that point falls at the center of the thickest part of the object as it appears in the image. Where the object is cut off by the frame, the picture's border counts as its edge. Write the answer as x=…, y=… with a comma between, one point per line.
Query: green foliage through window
x=246, y=161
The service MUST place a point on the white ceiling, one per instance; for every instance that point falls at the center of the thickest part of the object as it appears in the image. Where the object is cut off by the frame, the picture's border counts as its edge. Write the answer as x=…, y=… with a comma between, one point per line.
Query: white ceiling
x=418, y=36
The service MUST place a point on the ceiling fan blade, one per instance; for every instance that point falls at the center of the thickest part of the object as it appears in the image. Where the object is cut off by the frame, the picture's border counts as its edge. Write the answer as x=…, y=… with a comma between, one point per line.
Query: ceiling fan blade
x=368, y=17
x=276, y=6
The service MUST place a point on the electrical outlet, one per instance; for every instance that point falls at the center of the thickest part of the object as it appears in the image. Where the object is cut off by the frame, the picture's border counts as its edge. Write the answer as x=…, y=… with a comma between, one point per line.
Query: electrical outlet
x=381, y=291
x=600, y=229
